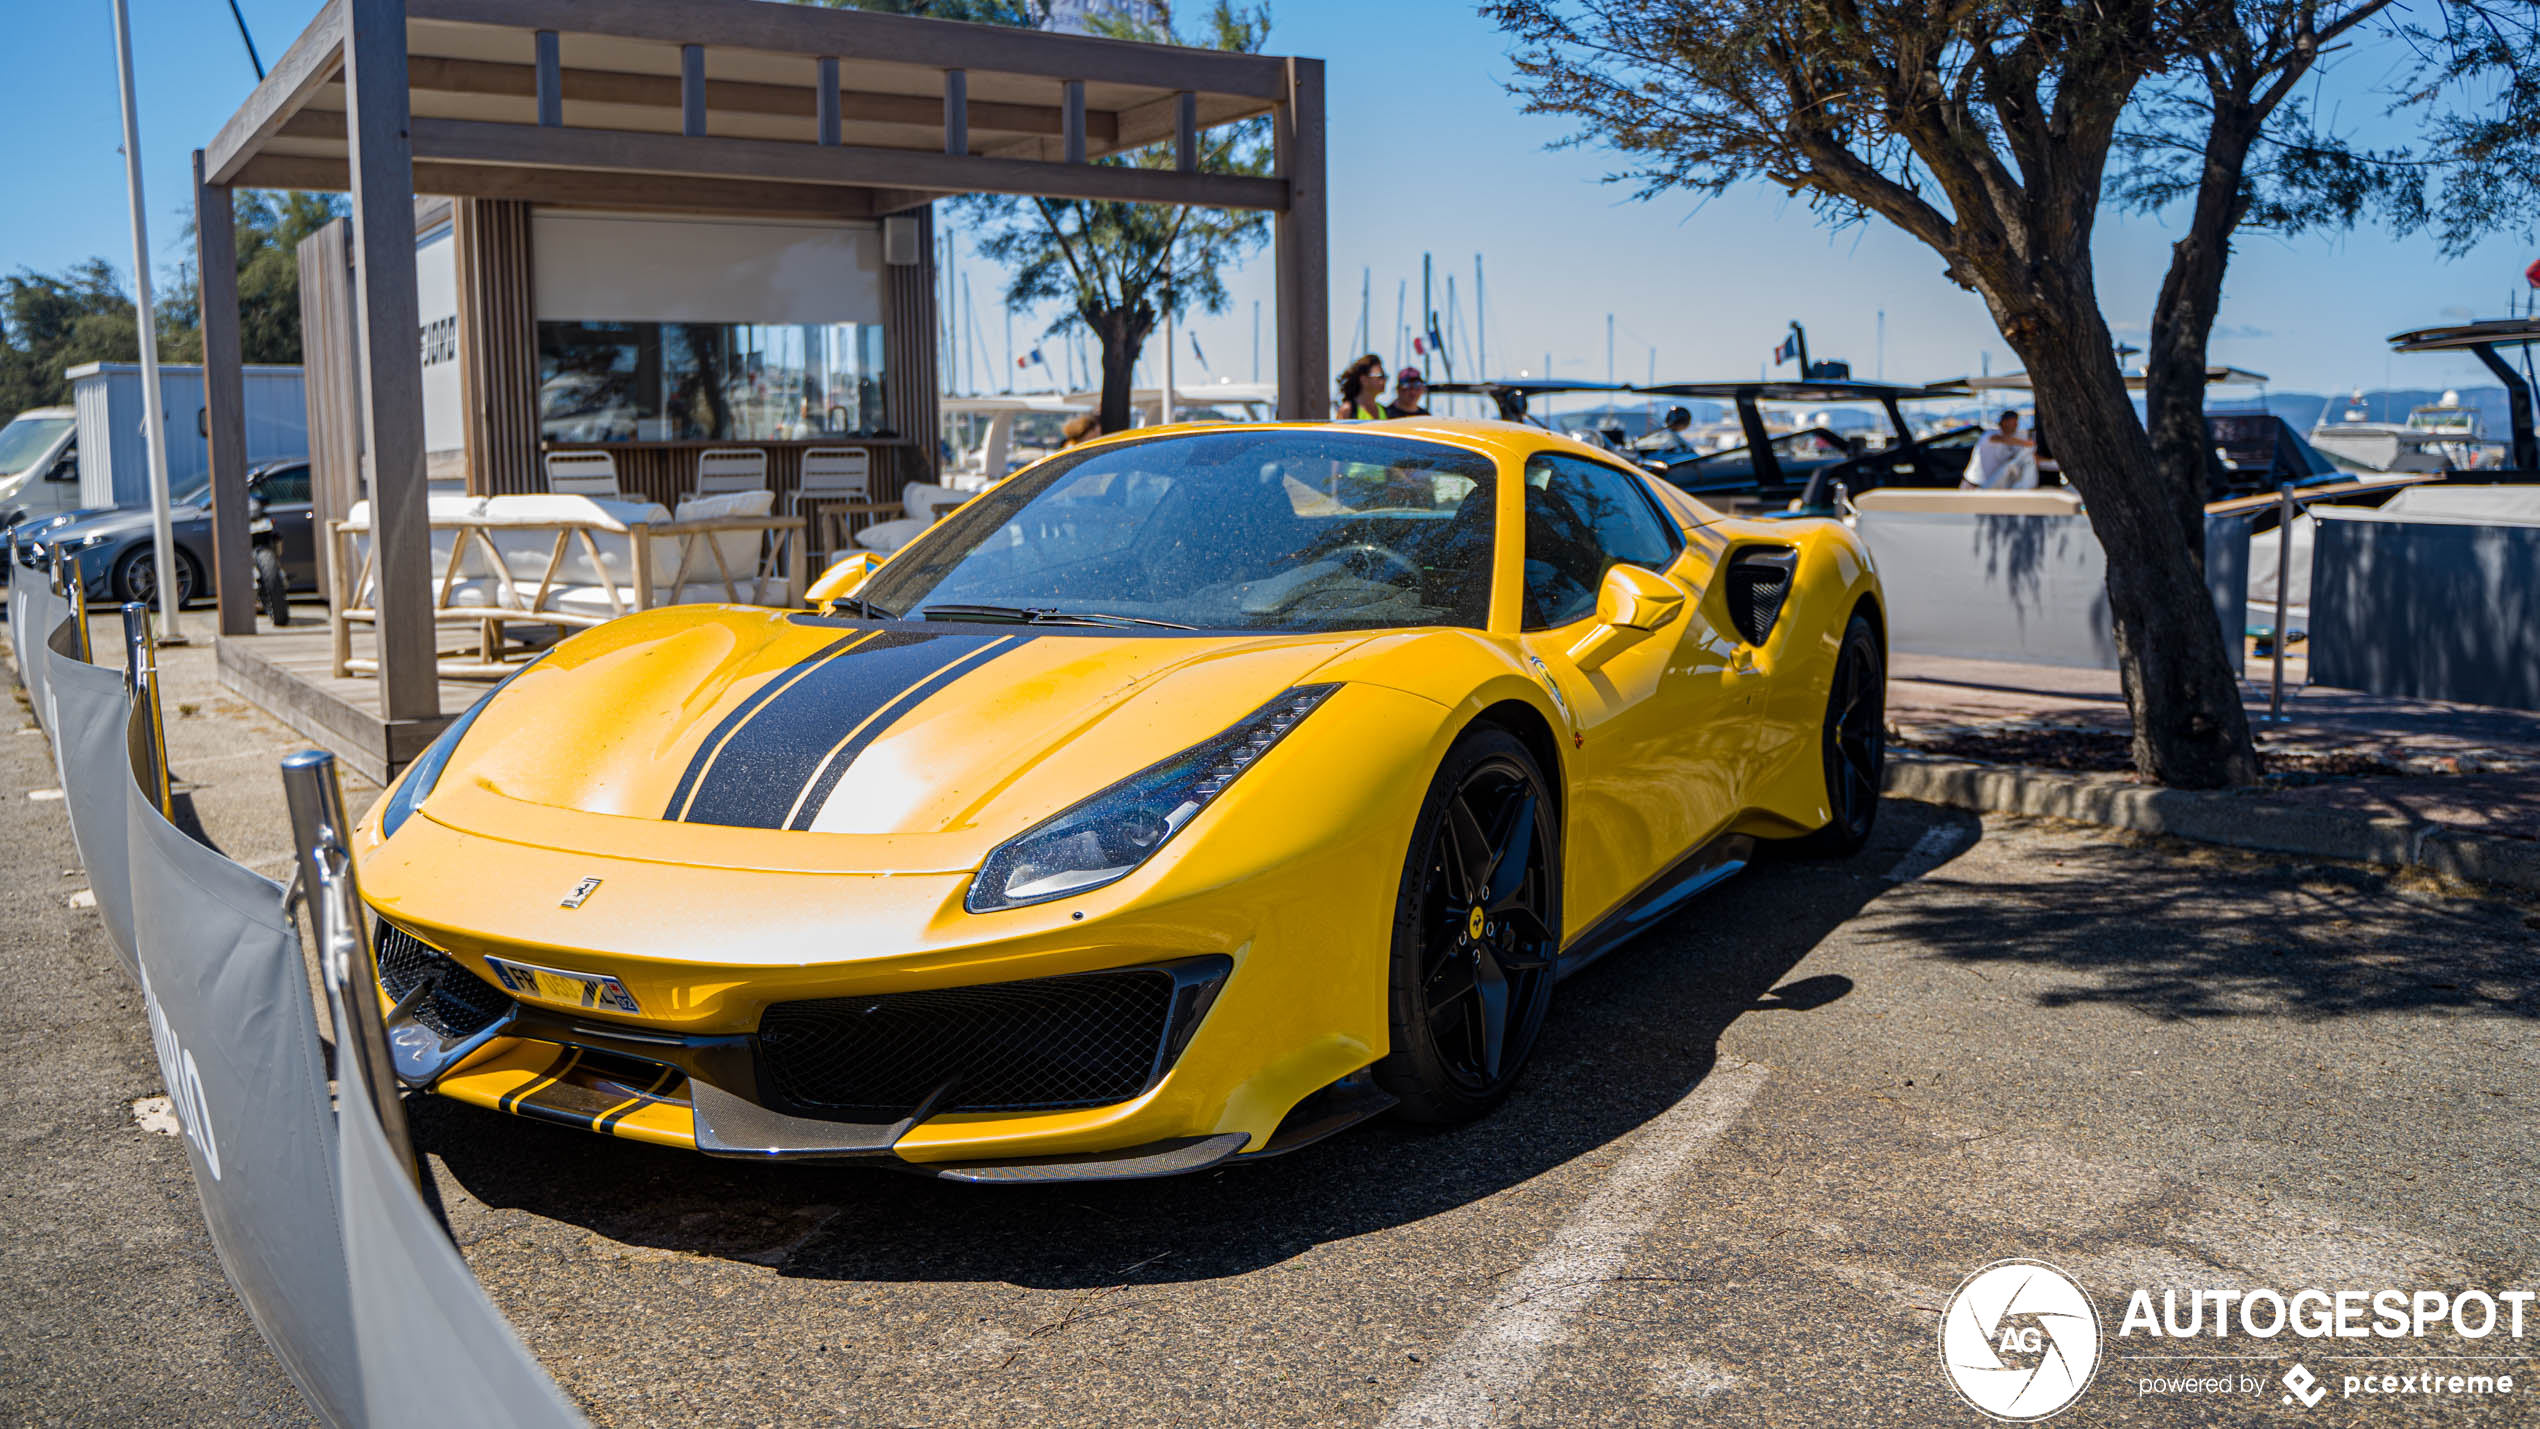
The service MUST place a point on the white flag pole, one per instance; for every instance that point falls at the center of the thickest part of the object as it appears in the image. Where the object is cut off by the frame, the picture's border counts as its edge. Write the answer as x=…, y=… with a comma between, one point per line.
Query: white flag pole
x=164, y=562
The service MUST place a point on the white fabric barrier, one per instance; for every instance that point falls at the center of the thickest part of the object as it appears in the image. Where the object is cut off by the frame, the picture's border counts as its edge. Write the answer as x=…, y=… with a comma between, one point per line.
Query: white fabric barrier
x=335, y=1258
x=2028, y=588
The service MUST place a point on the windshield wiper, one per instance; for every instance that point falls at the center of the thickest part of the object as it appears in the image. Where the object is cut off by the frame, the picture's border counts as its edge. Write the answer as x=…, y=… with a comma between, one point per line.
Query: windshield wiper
x=856, y=606
x=1032, y=615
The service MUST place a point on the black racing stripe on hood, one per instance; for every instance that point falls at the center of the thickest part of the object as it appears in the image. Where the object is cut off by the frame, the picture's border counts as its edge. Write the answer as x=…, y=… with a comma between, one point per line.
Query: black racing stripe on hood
x=740, y=715
x=825, y=779
x=759, y=774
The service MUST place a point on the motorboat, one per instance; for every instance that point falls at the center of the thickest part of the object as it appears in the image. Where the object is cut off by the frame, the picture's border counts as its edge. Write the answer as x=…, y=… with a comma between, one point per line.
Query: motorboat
x=2436, y=437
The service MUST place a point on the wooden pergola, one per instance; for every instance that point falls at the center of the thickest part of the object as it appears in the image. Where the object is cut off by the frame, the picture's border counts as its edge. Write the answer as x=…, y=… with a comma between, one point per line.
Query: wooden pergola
x=694, y=106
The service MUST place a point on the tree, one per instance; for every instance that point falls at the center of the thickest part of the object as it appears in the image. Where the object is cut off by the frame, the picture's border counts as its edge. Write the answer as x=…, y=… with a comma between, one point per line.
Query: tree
x=50, y=323
x=1986, y=129
x=1118, y=267
x=2232, y=135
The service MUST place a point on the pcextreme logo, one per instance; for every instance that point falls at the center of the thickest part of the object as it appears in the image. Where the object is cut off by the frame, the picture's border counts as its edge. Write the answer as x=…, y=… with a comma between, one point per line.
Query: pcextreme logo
x=2019, y=1341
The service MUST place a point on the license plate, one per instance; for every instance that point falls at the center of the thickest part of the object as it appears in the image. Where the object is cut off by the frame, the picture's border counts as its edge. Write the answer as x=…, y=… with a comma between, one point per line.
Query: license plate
x=591, y=990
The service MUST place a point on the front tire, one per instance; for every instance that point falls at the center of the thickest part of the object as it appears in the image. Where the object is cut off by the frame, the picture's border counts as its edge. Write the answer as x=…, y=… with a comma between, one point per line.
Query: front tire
x=1853, y=745
x=1476, y=929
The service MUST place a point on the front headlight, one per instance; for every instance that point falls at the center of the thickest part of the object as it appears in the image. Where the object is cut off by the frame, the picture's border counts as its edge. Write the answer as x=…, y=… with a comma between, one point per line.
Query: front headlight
x=428, y=766
x=75, y=544
x=1105, y=838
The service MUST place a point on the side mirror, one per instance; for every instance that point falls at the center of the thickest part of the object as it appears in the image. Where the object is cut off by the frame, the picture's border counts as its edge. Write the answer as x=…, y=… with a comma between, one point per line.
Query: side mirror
x=1629, y=605
x=842, y=579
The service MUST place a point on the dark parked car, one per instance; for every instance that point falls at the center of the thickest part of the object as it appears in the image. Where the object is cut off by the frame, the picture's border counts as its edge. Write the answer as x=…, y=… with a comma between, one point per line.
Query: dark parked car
x=114, y=549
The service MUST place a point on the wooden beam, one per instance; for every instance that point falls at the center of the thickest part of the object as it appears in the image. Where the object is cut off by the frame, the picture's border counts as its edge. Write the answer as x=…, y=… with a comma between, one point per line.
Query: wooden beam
x=382, y=173
x=224, y=401
x=956, y=111
x=692, y=91
x=1186, y=132
x=442, y=75
x=468, y=141
x=550, y=86
x=308, y=64
x=569, y=189
x=811, y=31
x=1072, y=121
x=826, y=88
x=1302, y=261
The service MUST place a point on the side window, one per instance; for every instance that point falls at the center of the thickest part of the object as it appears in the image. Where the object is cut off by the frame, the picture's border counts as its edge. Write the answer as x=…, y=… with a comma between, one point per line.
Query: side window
x=1582, y=518
x=285, y=486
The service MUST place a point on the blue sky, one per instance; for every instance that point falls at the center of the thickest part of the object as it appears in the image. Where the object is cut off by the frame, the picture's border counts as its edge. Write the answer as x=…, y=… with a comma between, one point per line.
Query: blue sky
x=1428, y=154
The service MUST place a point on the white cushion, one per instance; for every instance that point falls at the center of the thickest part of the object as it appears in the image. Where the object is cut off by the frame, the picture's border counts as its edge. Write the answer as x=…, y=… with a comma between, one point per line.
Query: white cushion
x=755, y=502
x=890, y=535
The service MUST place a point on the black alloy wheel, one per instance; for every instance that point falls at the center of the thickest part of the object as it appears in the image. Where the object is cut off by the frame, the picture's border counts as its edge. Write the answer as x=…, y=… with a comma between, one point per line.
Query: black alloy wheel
x=1854, y=744
x=136, y=577
x=1476, y=929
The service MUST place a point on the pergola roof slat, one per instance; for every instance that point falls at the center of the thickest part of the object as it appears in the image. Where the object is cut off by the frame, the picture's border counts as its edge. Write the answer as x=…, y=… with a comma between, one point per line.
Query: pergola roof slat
x=848, y=34
x=310, y=62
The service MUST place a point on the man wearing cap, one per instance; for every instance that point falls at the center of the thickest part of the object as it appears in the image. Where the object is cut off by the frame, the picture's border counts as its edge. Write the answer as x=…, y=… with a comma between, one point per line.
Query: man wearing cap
x=1409, y=388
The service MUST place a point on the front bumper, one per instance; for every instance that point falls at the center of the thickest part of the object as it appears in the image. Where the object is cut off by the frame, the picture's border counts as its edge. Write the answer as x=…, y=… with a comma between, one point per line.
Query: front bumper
x=775, y=1094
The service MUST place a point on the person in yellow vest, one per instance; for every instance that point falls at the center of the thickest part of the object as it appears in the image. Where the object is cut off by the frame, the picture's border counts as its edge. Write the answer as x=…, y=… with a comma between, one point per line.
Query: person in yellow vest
x=1363, y=390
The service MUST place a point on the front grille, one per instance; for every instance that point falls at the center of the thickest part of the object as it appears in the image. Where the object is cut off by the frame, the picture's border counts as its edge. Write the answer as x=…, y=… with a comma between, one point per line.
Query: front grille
x=1041, y=1045
x=460, y=1004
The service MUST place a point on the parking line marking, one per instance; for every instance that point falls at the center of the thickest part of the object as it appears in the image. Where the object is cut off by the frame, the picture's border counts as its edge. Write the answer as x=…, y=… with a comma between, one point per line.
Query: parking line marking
x=1480, y=1378
x=1939, y=844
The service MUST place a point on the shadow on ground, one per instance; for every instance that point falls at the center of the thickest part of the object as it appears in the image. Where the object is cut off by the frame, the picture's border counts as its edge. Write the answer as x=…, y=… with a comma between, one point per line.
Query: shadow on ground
x=1627, y=1038
x=2180, y=931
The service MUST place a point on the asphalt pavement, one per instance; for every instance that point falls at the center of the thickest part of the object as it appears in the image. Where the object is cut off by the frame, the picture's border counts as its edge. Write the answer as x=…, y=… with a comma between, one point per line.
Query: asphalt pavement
x=1757, y=1153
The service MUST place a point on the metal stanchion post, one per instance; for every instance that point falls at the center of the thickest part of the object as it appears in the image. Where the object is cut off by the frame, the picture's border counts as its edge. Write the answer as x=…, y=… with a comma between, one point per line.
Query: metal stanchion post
x=319, y=828
x=2283, y=595
x=77, y=589
x=141, y=679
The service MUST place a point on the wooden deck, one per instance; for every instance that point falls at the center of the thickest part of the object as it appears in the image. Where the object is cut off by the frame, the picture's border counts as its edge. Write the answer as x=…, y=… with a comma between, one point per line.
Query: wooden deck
x=287, y=673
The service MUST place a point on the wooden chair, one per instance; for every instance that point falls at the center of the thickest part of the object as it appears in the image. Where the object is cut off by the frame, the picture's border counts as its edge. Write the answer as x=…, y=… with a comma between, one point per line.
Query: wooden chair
x=584, y=474
x=835, y=481
x=721, y=470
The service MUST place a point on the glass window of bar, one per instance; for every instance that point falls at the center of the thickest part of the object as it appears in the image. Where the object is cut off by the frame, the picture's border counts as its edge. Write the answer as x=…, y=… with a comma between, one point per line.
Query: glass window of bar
x=665, y=382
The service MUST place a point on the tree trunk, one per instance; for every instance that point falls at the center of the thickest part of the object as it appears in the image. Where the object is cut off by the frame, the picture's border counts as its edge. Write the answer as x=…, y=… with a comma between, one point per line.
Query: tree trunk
x=2183, y=322
x=1122, y=331
x=2181, y=686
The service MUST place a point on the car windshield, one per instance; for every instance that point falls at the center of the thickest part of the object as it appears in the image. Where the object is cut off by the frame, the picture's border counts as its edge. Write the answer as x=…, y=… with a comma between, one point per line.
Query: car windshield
x=1230, y=529
x=28, y=438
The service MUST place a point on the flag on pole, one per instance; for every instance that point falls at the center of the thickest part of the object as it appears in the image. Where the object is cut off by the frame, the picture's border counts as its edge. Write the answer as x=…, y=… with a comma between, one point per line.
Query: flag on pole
x=1195, y=352
x=1788, y=350
x=1031, y=359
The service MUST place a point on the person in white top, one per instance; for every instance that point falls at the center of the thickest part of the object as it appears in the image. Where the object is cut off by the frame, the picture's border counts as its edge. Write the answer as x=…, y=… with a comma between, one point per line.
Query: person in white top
x=2004, y=460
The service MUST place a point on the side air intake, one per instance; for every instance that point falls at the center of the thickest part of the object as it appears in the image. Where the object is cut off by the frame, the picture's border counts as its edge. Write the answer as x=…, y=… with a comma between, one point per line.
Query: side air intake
x=1759, y=583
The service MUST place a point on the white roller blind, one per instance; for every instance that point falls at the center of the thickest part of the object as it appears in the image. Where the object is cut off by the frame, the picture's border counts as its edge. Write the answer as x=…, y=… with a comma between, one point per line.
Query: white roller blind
x=604, y=268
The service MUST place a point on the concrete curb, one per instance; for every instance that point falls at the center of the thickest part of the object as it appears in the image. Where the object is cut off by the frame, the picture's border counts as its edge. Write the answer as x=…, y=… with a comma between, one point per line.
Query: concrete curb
x=2228, y=819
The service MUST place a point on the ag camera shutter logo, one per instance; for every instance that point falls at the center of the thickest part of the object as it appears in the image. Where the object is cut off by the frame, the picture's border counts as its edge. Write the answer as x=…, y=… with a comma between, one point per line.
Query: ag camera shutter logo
x=2019, y=1341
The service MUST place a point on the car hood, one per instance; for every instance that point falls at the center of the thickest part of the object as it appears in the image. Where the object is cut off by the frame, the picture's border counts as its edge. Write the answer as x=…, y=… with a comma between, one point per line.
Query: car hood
x=739, y=737
x=118, y=521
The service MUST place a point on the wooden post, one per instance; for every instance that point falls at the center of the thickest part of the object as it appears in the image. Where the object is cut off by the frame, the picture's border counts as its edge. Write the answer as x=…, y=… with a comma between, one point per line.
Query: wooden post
x=382, y=163
x=1186, y=132
x=1299, y=235
x=827, y=103
x=550, y=80
x=224, y=402
x=692, y=91
x=956, y=111
x=1072, y=121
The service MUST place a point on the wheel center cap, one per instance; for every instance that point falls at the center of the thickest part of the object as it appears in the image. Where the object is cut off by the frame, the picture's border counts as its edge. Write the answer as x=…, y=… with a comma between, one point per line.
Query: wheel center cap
x=1473, y=923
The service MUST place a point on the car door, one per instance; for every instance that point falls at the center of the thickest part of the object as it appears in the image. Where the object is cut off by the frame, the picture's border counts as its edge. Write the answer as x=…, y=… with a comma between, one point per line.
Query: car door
x=285, y=492
x=1658, y=729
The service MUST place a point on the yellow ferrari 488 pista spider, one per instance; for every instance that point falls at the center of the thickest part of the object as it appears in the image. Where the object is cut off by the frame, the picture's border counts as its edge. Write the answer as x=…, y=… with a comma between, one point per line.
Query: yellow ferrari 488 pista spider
x=1186, y=797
